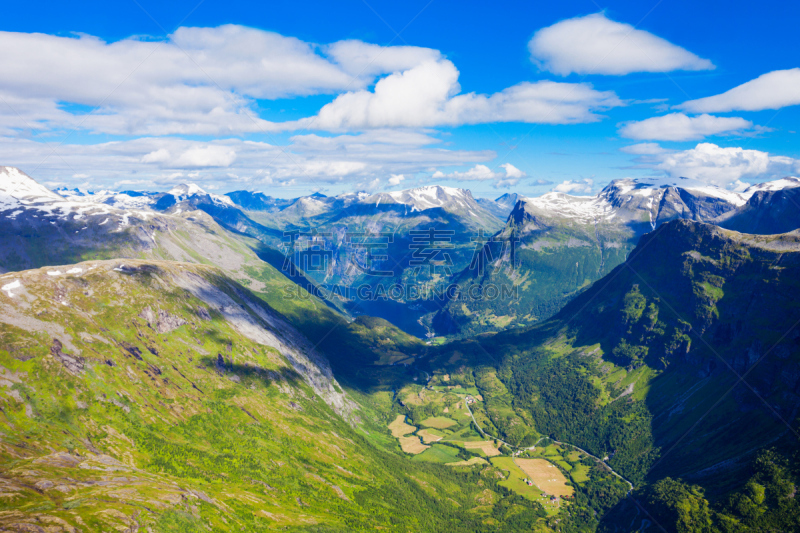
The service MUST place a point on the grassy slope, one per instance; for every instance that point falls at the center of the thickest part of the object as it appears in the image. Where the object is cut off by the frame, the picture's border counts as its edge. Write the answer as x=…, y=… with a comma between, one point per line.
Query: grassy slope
x=196, y=428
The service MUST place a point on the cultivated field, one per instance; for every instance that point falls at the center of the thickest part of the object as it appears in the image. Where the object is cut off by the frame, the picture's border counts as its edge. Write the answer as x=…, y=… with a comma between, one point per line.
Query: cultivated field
x=428, y=436
x=438, y=422
x=486, y=446
x=546, y=476
x=412, y=445
x=472, y=461
x=400, y=428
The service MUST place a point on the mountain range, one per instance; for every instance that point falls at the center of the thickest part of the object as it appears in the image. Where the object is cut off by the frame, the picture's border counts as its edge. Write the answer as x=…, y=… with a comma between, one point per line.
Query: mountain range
x=185, y=360
x=565, y=242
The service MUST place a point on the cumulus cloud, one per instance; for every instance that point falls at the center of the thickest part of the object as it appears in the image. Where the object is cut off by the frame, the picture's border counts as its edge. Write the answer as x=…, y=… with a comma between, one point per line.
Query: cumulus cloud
x=510, y=176
x=197, y=81
x=773, y=90
x=395, y=179
x=583, y=186
x=680, y=127
x=723, y=167
x=361, y=59
x=512, y=171
x=205, y=157
x=594, y=44
x=427, y=96
x=206, y=81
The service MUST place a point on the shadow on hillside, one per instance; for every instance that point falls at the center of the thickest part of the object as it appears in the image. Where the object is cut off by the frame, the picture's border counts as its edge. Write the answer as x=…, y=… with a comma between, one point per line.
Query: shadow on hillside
x=222, y=364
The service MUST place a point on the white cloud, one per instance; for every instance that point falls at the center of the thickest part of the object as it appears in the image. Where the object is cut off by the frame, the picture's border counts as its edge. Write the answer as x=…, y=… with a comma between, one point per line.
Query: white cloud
x=512, y=171
x=362, y=59
x=395, y=179
x=723, y=167
x=680, y=127
x=205, y=156
x=510, y=176
x=583, y=186
x=773, y=90
x=593, y=44
x=427, y=96
x=206, y=81
x=235, y=163
x=363, y=140
x=643, y=149
x=198, y=81
x=157, y=156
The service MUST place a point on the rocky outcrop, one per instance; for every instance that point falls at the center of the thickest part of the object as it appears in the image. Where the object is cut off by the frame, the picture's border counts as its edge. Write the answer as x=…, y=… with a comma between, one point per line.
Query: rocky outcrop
x=73, y=363
x=162, y=321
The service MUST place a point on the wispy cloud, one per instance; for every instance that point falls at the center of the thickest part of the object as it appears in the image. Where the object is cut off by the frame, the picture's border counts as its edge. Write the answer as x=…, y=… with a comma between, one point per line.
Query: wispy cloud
x=510, y=176
x=680, y=127
x=594, y=44
x=582, y=186
x=236, y=163
x=773, y=90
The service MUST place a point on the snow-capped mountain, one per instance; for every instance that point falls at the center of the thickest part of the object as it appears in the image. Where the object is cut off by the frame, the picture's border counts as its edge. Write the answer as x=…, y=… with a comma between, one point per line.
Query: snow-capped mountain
x=117, y=200
x=17, y=189
x=21, y=197
x=567, y=242
x=628, y=201
x=429, y=197
x=186, y=196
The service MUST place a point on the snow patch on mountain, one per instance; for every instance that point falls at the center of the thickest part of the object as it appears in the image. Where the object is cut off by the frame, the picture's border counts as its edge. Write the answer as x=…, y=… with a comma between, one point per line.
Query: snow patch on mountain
x=724, y=194
x=428, y=197
x=186, y=191
x=584, y=209
x=18, y=189
x=775, y=185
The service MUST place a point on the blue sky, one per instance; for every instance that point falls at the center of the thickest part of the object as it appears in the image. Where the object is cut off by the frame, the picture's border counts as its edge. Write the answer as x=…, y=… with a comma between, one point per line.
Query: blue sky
x=282, y=97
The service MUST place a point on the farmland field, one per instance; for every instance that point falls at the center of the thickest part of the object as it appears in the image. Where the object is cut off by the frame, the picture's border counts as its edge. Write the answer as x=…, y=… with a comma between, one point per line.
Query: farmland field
x=412, y=445
x=428, y=436
x=439, y=454
x=472, y=461
x=546, y=476
x=400, y=428
x=486, y=446
x=515, y=480
x=439, y=422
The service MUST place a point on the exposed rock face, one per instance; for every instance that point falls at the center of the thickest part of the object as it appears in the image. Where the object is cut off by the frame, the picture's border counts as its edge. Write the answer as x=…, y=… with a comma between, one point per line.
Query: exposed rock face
x=73, y=363
x=162, y=321
x=766, y=213
x=261, y=325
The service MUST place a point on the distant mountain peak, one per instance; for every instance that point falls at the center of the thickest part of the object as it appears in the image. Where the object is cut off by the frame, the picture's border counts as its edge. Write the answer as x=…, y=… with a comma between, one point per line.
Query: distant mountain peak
x=428, y=197
x=186, y=189
x=774, y=185
x=17, y=188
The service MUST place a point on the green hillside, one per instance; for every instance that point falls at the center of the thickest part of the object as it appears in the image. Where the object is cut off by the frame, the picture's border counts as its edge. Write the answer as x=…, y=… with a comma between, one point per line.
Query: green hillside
x=644, y=367
x=166, y=396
